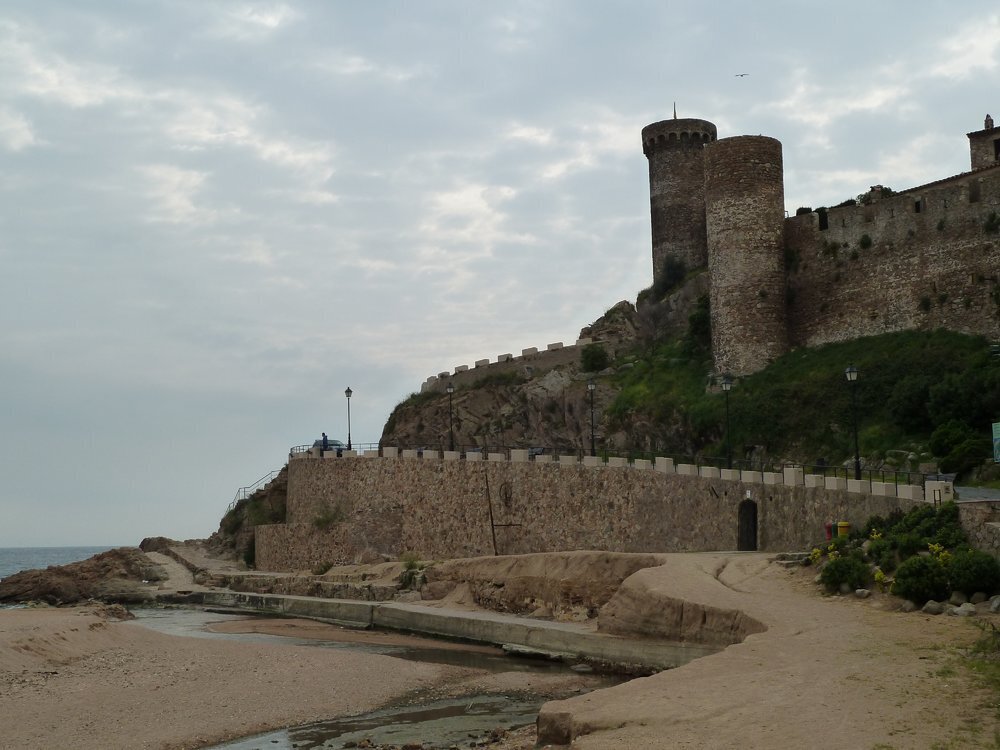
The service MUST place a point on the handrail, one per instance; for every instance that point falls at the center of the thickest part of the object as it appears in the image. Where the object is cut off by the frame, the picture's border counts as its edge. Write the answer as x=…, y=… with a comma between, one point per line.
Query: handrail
x=244, y=492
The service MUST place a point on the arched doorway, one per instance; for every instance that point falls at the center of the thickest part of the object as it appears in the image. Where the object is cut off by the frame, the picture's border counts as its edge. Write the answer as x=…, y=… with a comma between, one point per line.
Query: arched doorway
x=746, y=535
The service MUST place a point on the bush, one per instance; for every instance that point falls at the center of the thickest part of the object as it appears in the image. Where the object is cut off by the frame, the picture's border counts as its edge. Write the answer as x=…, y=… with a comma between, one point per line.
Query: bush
x=848, y=569
x=593, y=358
x=881, y=553
x=920, y=579
x=967, y=455
x=971, y=570
x=908, y=543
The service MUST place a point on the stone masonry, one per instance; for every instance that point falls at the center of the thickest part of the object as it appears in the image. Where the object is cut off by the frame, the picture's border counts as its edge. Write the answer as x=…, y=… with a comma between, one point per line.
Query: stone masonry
x=345, y=510
x=923, y=258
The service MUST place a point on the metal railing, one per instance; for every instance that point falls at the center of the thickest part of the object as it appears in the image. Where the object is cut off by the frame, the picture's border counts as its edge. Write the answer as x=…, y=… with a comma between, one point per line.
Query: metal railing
x=244, y=492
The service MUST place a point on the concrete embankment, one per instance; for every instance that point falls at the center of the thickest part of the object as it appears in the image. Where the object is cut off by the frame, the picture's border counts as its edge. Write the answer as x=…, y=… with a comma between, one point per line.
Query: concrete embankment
x=563, y=639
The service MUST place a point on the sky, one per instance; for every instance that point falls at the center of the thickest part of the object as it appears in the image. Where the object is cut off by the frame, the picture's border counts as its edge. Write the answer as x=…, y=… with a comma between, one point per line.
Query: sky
x=216, y=216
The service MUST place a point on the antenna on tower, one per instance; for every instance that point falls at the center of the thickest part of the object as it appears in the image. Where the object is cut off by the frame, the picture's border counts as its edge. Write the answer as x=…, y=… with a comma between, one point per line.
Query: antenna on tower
x=675, y=110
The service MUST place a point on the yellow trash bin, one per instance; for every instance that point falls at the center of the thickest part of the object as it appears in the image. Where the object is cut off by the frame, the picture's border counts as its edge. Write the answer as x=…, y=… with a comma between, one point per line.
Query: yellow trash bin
x=843, y=528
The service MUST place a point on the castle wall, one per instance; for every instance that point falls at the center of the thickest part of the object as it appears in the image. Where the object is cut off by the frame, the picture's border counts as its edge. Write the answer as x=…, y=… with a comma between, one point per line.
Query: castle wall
x=676, y=190
x=919, y=260
x=984, y=147
x=441, y=509
x=744, y=208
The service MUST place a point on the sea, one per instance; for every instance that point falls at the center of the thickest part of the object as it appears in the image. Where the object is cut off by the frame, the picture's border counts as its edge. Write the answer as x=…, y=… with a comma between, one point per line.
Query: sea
x=15, y=559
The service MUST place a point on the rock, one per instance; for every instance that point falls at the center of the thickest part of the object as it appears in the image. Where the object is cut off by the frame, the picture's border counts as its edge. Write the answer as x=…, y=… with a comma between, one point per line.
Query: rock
x=845, y=588
x=968, y=609
x=408, y=596
x=907, y=606
x=958, y=598
x=582, y=668
x=818, y=578
x=995, y=604
x=113, y=576
x=932, y=608
x=862, y=593
x=978, y=598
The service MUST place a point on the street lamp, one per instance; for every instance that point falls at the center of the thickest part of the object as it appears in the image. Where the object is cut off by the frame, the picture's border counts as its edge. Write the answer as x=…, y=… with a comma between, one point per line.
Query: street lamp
x=727, y=385
x=451, y=430
x=851, y=373
x=348, y=393
x=592, y=386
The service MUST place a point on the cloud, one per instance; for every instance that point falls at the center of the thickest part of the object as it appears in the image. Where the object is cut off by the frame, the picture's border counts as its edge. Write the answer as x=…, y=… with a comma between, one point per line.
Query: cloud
x=351, y=65
x=469, y=214
x=28, y=70
x=974, y=48
x=173, y=191
x=250, y=22
x=819, y=106
x=606, y=139
x=528, y=133
x=15, y=131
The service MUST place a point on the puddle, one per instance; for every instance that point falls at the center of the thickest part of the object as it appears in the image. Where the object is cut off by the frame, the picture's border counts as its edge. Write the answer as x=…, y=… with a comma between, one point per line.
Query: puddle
x=193, y=623
x=436, y=724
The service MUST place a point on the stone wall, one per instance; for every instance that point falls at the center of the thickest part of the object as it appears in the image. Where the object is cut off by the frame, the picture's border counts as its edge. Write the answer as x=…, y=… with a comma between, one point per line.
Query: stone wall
x=919, y=260
x=441, y=509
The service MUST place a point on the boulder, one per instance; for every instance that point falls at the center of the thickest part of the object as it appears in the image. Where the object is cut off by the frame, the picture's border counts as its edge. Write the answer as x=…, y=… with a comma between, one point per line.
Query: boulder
x=957, y=598
x=862, y=593
x=932, y=608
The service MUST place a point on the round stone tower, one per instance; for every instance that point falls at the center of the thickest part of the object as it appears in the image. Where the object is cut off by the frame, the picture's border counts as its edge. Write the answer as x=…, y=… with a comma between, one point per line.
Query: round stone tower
x=677, y=190
x=744, y=216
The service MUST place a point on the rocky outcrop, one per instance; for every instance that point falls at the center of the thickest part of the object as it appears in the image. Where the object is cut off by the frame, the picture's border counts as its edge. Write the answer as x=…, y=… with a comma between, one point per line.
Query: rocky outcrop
x=643, y=607
x=118, y=575
x=560, y=585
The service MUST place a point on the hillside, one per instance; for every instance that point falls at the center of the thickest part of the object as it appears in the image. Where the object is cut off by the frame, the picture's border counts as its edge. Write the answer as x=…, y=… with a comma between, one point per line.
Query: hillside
x=925, y=399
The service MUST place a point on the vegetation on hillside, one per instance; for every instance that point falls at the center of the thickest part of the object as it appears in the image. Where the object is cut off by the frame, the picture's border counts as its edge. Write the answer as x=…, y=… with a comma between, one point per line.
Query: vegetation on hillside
x=932, y=391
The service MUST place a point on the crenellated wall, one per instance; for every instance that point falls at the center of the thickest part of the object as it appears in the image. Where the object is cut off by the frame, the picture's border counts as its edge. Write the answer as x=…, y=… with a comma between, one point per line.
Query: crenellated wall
x=371, y=506
x=916, y=261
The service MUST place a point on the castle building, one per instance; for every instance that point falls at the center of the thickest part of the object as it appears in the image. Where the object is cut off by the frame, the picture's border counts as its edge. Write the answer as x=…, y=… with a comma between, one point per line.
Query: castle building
x=922, y=258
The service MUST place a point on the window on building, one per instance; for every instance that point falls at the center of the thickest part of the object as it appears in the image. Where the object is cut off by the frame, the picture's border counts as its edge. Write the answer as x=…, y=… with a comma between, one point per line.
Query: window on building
x=996, y=150
x=917, y=206
x=974, y=191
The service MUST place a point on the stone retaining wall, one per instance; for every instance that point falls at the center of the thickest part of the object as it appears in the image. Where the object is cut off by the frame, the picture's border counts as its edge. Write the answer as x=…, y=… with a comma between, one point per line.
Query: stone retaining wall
x=442, y=509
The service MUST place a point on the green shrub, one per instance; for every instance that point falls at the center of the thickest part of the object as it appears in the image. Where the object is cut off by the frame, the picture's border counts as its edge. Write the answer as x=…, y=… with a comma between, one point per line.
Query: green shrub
x=907, y=543
x=865, y=242
x=593, y=358
x=878, y=549
x=971, y=570
x=947, y=436
x=846, y=569
x=967, y=455
x=920, y=579
x=321, y=568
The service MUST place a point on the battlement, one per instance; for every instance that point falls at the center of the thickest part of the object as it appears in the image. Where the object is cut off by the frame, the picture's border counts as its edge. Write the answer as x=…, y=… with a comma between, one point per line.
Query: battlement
x=677, y=133
x=530, y=362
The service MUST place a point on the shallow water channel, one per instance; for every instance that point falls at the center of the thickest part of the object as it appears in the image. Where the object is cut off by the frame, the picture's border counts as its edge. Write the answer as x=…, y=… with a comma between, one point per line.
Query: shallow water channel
x=438, y=723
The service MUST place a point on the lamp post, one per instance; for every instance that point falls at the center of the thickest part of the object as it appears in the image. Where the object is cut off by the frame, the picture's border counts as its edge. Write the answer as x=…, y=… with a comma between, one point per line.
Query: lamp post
x=851, y=373
x=727, y=385
x=348, y=393
x=592, y=386
x=451, y=430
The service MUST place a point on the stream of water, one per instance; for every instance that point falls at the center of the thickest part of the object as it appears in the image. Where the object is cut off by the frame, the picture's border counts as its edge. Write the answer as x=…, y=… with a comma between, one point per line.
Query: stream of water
x=437, y=723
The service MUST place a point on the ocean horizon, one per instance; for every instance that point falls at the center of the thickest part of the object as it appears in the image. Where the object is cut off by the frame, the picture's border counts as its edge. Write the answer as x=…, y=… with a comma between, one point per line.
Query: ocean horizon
x=15, y=559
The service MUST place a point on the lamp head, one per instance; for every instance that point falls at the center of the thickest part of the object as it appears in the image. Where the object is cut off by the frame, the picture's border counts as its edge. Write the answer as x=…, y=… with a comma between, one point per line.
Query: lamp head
x=451, y=387
x=348, y=392
x=851, y=373
x=727, y=382
x=591, y=385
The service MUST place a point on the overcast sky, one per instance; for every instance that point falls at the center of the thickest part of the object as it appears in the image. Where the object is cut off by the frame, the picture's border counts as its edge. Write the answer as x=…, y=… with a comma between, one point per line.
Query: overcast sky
x=216, y=216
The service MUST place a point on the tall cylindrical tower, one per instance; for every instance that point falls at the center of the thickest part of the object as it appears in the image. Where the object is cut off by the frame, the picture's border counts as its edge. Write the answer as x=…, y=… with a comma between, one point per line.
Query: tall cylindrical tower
x=677, y=190
x=744, y=217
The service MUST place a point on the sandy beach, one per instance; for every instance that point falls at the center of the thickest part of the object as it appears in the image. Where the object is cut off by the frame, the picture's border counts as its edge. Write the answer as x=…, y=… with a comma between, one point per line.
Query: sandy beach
x=838, y=671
